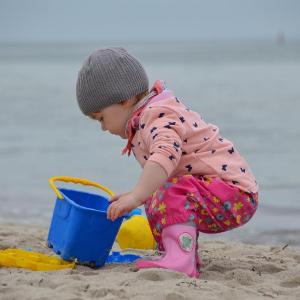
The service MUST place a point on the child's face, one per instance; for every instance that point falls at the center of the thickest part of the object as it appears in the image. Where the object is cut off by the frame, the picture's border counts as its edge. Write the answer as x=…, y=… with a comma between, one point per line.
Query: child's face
x=114, y=118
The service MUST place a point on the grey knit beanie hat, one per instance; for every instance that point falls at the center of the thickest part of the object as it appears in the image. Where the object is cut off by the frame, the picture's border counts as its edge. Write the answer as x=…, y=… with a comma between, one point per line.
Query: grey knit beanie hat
x=109, y=76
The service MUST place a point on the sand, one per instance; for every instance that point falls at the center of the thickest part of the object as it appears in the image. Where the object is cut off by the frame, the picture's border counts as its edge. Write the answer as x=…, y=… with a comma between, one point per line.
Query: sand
x=229, y=271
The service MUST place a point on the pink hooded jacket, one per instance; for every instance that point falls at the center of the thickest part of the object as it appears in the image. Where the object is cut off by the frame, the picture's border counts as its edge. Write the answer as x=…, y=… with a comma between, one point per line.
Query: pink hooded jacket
x=181, y=142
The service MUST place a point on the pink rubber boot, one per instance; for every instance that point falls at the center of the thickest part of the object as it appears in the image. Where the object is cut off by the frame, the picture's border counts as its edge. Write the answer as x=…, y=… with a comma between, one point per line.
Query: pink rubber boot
x=179, y=241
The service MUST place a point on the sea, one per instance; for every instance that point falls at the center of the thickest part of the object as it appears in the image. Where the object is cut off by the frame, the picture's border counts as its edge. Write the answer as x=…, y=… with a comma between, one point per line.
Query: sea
x=249, y=88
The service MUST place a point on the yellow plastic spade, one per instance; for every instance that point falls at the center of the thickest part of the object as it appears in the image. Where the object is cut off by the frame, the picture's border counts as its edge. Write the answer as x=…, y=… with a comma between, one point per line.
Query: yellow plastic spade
x=34, y=261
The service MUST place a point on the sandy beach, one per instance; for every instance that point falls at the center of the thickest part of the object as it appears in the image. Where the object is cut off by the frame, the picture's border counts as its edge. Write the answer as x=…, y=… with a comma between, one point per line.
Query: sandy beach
x=229, y=271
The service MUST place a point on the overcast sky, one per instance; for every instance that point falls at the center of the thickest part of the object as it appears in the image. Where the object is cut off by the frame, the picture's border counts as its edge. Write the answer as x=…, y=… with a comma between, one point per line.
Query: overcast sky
x=73, y=20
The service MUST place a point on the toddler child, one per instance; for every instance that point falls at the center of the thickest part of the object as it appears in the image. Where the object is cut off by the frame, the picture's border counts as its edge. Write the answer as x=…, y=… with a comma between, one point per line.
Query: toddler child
x=193, y=180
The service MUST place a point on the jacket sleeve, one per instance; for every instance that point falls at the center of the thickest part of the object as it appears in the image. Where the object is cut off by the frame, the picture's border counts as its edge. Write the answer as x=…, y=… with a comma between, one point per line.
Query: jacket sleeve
x=162, y=133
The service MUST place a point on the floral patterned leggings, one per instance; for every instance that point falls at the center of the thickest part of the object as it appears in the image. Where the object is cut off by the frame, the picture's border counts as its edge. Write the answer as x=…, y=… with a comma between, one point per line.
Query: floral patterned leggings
x=212, y=204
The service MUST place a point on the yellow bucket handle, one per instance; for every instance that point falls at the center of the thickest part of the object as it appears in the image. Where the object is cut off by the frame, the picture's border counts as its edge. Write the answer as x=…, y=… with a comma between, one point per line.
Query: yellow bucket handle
x=76, y=180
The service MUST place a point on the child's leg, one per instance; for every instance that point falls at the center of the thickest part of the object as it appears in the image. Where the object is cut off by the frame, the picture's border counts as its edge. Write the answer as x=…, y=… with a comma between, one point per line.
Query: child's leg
x=198, y=262
x=170, y=219
x=180, y=244
x=222, y=207
x=211, y=204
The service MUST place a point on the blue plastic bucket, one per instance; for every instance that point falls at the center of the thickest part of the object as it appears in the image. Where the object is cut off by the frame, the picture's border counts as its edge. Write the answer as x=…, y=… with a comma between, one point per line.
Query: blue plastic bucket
x=79, y=228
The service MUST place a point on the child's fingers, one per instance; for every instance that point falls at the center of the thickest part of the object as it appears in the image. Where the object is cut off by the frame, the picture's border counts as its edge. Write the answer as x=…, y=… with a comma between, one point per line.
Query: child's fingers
x=108, y=213
x=115, y=210
x=112, y=211
x=114, y=198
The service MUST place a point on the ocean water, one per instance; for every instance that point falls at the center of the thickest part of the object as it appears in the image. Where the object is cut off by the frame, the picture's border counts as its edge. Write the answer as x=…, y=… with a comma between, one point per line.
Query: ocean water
x=250, y=89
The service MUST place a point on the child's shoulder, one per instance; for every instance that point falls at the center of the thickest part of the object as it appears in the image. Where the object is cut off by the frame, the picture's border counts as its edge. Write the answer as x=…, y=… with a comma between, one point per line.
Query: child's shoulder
x=164, y=107
x=170, y=108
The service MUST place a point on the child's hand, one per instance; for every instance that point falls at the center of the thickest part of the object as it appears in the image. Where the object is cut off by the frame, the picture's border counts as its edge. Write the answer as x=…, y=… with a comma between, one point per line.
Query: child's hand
x=152, y=177
x=121, y=204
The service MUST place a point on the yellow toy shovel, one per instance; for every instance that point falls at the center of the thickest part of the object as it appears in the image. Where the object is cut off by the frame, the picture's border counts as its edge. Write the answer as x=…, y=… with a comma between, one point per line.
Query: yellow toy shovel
x=34, y=261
